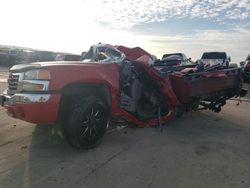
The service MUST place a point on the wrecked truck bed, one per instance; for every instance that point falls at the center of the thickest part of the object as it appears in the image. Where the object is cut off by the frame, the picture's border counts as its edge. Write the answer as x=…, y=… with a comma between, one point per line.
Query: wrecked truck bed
x=209, y=86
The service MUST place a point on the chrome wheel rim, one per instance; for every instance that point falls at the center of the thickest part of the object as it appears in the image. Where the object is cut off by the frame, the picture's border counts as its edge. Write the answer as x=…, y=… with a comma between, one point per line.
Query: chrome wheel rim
x=92, y=122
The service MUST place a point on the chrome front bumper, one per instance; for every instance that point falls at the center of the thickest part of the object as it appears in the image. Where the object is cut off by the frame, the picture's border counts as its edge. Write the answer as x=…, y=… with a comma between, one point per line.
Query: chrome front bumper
x=19, y=98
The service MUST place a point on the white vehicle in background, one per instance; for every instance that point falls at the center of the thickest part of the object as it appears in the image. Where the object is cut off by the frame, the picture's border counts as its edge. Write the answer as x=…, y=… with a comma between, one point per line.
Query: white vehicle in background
x=215, y=58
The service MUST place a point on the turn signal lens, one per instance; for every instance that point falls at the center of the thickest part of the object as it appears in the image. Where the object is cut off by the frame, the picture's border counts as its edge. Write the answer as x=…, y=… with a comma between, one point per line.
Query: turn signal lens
x=43, y=75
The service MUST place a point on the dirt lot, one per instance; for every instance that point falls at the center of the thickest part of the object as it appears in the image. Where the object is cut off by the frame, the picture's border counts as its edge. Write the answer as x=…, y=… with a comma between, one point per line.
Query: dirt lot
x=201, y=149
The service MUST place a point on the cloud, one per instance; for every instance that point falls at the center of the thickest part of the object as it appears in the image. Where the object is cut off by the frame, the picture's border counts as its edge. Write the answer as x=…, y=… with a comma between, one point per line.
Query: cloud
x=127, y=13
x=234, y=42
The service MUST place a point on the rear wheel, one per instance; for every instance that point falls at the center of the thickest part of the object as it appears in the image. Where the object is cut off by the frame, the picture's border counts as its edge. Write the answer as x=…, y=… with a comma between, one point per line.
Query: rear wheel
x=86, y=123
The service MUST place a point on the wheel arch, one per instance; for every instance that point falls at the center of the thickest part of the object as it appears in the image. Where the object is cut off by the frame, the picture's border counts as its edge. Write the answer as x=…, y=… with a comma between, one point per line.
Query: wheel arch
x=72, y=92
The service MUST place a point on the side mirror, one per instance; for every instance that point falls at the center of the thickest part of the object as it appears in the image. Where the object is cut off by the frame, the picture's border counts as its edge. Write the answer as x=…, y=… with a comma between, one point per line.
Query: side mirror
x=229, y=58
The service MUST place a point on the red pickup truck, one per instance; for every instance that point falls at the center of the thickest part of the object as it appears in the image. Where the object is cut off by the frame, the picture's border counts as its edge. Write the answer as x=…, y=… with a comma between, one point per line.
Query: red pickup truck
x=112, y=82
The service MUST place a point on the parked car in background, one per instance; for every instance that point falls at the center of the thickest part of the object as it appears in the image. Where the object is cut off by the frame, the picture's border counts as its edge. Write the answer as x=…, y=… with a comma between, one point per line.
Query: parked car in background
x=215, y=58
x=172, y=62
x=246, y=68
x=176, y=59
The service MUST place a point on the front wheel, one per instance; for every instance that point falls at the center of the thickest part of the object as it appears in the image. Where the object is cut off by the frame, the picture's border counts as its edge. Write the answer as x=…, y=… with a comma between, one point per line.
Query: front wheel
x=86, y=123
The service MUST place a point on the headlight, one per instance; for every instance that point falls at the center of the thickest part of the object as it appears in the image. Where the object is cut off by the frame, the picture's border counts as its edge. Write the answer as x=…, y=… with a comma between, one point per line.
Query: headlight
x=35, y=80
x=39, y=74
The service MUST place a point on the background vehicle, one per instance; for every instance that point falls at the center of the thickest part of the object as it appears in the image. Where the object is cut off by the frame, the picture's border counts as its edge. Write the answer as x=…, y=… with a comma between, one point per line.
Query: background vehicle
x=176, y=59
x=172, y=62
x=215, y=58
x=246, y=69
x=121, y=84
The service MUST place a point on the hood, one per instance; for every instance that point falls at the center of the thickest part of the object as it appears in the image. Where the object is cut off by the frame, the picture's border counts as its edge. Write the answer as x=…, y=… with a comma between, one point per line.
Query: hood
x=24, y=67
x=38, y=65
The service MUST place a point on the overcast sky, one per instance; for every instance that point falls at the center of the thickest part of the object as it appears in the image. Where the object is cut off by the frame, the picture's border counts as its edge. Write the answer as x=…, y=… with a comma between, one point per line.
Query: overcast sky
x=189, y=26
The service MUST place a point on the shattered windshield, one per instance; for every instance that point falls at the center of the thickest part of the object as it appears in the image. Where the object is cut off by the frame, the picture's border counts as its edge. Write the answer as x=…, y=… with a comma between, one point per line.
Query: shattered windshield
x=103, y=54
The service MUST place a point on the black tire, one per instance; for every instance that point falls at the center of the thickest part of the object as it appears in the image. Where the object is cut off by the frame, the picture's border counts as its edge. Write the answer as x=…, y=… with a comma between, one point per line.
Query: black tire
x=86, y=123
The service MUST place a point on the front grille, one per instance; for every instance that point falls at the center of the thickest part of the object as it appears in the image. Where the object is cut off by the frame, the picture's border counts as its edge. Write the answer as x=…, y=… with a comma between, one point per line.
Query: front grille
x=13, y=82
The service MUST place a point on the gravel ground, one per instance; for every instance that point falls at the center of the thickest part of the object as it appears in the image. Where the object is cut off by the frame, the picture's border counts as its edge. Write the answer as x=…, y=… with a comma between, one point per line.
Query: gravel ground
x=3, y=74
